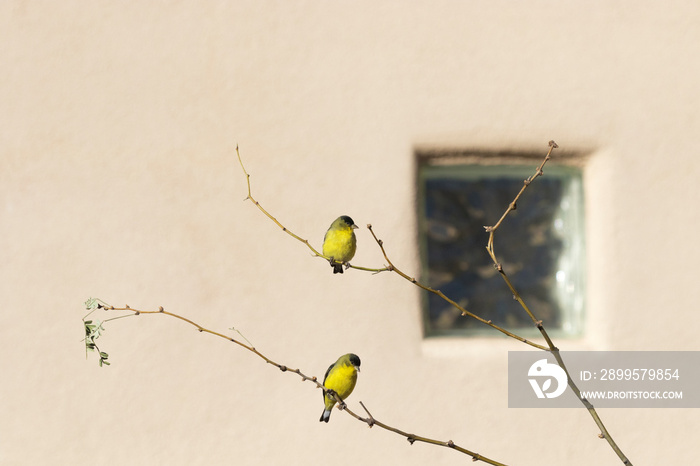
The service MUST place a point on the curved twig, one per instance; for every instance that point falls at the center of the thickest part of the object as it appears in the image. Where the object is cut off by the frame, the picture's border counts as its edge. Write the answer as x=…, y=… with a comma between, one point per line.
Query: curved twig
x=391, y=266
x=538, y=323
x=464, y=312
x=289, y=232
x=370, y=420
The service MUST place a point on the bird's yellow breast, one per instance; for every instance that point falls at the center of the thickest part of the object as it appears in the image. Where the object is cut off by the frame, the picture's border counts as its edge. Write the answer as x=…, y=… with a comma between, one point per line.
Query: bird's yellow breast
x=340, y=244
x=342, y=380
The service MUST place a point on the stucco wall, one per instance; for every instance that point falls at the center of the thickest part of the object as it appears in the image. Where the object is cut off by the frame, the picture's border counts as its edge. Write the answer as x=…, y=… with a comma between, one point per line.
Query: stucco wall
x=118, y=179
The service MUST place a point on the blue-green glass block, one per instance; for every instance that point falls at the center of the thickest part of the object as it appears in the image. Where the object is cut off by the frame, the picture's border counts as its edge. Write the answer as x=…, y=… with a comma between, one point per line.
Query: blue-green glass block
x=540, y=246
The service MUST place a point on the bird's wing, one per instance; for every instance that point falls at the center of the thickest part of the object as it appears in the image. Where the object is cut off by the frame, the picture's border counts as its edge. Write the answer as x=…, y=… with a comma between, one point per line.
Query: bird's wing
x=324, y=379
x=327, y=372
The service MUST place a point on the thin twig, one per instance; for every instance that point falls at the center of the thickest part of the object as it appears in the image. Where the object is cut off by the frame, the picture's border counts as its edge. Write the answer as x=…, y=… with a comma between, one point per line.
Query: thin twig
x=289, y=232
x=391, y=267
x=370, y=421
x=464, y=312
x=538, y=323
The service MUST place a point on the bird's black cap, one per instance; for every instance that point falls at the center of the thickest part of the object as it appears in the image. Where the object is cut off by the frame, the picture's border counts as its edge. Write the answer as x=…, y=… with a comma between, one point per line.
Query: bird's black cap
x=347, y=220
x=355, y=360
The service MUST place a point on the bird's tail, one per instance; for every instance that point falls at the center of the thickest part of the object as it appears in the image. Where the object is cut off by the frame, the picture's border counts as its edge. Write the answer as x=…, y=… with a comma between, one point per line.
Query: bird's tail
x=325, y=416
x=337, y=268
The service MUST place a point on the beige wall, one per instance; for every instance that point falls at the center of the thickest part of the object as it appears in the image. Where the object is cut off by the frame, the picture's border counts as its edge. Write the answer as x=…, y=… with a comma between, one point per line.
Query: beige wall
x=118, y=179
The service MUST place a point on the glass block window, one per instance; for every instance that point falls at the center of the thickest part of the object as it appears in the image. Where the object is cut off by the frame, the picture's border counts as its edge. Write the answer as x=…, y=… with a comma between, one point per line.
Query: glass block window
x=540, y=244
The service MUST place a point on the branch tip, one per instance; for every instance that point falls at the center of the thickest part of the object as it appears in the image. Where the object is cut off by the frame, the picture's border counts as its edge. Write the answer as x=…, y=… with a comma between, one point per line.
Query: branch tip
x=553, y=144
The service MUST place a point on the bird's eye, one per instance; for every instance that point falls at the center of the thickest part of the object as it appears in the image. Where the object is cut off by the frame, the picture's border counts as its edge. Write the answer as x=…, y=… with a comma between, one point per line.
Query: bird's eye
x=348, y=220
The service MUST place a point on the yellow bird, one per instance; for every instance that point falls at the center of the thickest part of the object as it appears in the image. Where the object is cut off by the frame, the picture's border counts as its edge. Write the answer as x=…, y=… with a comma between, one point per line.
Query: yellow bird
x=341, y=378
x=340, y=243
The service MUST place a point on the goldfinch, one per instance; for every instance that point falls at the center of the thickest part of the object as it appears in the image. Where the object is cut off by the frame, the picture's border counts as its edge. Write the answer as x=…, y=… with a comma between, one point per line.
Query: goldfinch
x=340, y=243
x=341, y=378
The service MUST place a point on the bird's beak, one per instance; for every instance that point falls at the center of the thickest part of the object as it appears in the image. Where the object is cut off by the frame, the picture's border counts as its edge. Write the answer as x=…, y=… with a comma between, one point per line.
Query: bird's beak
x=354, y=227
x=358, y=369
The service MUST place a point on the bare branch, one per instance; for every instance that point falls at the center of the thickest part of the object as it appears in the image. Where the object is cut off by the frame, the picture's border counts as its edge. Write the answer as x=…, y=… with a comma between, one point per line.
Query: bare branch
x=371, y=421
x=289, y=232
x=538, y=323
x=464, y=312
x=391, y=268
